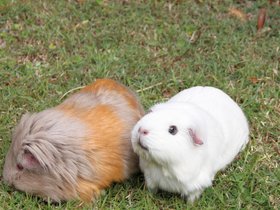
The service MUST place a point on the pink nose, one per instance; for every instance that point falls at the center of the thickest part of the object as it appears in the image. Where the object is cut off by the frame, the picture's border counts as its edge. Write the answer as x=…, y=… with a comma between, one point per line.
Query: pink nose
x=143, y=131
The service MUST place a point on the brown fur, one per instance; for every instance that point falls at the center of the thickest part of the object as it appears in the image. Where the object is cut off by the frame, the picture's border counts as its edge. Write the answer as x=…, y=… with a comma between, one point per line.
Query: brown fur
x=77, y=148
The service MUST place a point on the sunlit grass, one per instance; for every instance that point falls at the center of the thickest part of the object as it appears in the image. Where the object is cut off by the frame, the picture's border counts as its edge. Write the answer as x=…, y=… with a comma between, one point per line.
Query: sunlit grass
x=156, y=48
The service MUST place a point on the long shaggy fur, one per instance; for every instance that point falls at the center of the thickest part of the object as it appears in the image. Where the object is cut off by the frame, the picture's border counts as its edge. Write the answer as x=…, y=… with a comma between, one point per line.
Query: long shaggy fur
x=78, y=148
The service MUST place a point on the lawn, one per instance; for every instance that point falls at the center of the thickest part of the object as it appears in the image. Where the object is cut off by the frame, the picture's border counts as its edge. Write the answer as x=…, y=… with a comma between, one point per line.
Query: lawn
x=157, y=48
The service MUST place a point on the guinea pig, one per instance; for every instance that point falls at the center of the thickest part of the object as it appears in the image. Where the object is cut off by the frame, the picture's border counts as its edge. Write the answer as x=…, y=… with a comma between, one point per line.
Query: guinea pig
x=185, y=141
x=78, y=148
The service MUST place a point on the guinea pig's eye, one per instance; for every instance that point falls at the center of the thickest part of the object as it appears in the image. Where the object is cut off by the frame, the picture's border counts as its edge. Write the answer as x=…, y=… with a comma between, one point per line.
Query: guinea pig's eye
x=173, y=130
x=19, y=167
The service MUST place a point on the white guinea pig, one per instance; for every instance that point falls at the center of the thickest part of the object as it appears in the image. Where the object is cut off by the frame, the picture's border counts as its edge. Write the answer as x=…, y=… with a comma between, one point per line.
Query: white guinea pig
x=183, y=142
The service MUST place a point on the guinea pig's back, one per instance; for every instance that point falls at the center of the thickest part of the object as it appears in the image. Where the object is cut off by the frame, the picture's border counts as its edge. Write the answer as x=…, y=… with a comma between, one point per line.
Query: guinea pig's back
x=104, y=87
x=224, y=110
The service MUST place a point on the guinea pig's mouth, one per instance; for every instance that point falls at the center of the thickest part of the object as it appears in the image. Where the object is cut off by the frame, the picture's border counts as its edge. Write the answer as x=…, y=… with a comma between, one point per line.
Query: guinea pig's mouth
x=142, y=145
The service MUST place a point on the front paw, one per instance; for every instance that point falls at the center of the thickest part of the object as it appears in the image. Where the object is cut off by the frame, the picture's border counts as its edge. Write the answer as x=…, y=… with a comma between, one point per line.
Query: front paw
x=153, y=190
x=184, y=197
x=193, y=196
x=151, y=185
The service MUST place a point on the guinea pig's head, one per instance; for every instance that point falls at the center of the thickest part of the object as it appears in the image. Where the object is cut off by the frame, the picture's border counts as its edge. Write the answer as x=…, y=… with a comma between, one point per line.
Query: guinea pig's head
x=167, y=135
x=45, y=157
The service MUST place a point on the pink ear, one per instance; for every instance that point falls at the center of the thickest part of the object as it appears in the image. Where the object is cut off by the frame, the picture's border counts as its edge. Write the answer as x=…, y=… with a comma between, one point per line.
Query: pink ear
x=196, y=139
x=29, y=161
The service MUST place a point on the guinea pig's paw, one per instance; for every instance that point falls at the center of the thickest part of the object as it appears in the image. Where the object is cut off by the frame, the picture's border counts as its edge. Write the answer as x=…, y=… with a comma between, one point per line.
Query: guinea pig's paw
x=52, y=202
x=184, y=196
x=151, y=185
x=48, y=200
x=192, y=196
x=153, y=190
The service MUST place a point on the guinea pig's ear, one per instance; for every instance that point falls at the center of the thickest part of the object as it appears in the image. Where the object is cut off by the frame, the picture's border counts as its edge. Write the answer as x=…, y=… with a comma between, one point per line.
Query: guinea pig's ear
x=196, y=139
x=29, y=161
x=36, y=155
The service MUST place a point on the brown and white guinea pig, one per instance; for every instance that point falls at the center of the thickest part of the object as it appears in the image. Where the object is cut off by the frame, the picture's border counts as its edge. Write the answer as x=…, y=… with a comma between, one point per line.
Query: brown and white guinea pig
x=185, y=141
x=78, y=148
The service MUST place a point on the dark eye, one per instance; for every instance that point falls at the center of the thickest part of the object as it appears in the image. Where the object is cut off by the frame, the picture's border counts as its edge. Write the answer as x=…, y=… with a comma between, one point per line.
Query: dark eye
x=173, y=130
x=19, y=167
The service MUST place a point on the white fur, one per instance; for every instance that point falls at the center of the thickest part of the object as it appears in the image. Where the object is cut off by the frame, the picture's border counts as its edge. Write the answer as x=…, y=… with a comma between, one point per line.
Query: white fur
x=175, y=163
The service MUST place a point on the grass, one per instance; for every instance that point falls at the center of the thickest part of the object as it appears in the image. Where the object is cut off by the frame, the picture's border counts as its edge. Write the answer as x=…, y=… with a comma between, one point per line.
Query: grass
x=158, y=48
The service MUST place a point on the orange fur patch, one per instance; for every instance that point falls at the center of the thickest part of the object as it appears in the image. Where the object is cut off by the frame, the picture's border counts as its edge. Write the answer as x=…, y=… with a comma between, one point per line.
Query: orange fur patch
x=105, y=155
x=104, y=146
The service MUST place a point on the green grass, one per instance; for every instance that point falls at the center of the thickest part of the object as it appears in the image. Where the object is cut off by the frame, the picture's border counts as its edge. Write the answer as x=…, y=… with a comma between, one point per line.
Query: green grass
x=49, y=47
